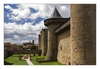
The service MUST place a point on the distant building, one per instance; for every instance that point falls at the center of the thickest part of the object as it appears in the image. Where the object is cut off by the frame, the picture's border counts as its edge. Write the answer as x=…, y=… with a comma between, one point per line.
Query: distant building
x=20, y=47
x=30, y=46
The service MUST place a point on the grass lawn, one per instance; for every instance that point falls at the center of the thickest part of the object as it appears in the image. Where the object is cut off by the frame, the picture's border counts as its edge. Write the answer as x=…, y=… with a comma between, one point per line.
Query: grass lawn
x=14, y=60
x=33, y=60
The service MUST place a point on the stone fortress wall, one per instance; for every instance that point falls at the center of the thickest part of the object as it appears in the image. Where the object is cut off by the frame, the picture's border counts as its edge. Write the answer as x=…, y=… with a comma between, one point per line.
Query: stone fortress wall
x=63, y=41
x=71, y=40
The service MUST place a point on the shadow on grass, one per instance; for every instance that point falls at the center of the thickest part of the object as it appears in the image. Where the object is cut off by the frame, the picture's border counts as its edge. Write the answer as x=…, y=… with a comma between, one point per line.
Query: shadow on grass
x=7, y=63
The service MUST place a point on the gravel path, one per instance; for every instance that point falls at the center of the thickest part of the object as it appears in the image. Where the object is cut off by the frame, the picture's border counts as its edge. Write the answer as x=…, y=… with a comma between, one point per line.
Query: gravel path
x=29, y=62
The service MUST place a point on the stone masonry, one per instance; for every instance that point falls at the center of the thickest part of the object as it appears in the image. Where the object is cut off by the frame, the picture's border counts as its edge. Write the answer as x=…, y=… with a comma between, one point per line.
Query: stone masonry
x=44, y=42
x=64, y=49
x=52, y=23
x=40, y=41
x=83, y=34
x=39, y=36
x=71, y=40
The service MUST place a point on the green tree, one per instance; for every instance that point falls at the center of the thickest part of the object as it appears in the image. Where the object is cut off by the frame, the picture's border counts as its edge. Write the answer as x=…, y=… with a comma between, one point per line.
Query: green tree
x=14, y=46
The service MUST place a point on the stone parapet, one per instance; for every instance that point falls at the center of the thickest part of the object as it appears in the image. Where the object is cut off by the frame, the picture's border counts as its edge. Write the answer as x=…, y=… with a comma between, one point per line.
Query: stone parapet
x=55, y=20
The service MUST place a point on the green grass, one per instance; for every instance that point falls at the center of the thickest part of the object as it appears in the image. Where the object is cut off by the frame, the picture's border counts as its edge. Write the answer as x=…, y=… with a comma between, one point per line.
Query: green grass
x=14, y=60
x=33, y=60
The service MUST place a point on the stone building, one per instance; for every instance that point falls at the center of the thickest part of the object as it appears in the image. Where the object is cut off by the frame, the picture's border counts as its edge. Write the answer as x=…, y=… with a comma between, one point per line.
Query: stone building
x=71, y=40
x=29, y=45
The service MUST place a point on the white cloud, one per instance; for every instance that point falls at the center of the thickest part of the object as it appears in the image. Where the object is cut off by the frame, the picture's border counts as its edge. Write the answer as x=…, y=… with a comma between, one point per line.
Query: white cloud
x=20, y=32
x=8, y=7
x=64, y=10
x=20, y=12
x=23, y=41
x=25, y=32
x=63, y=7
x=43, y=11
x=35, y=15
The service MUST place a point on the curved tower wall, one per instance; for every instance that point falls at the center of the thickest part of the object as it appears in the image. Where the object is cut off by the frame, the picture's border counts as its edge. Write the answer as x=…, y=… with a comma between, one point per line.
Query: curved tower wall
x=52, y=24
x=44, y=42
x=83, y=34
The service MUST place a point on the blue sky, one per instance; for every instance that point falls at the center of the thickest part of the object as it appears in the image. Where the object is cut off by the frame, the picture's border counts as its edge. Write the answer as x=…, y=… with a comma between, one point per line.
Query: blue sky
x=23, y=22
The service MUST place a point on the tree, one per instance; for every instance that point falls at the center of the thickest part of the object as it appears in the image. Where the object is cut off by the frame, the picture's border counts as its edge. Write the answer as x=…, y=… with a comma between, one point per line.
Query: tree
x=10, y=46
x=14, y=46
x=7, y=45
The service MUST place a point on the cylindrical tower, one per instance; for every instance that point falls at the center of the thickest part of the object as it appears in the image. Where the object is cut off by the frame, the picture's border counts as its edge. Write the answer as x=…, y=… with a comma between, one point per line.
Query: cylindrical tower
x=52, y=23
x=83, y=34
x=33, y=42
x=44, y=45
x=39, y=42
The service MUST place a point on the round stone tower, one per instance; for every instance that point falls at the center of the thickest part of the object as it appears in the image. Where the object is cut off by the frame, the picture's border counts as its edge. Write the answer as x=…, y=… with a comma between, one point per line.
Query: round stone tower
x=39, y=36
x=83, y=34
x=40, y=41
x=52, y=23
x=44, y=42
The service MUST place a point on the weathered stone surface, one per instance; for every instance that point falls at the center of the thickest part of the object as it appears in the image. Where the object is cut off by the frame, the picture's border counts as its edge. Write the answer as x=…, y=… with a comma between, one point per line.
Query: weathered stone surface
x=64, y=50
x=44, y=42
x=83, y=34
x=77, y=43
x=52, y=42
x=39, y=42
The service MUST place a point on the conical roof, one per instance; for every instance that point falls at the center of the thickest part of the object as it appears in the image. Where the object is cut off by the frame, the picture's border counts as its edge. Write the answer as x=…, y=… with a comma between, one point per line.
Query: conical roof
x=55, y=14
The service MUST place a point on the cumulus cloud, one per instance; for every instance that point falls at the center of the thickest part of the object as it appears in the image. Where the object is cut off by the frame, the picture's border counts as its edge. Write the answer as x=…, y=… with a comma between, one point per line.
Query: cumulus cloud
x=8, y=7
x=20, y=12
x=22, y=32
x=19, y=33
x=43, y=11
